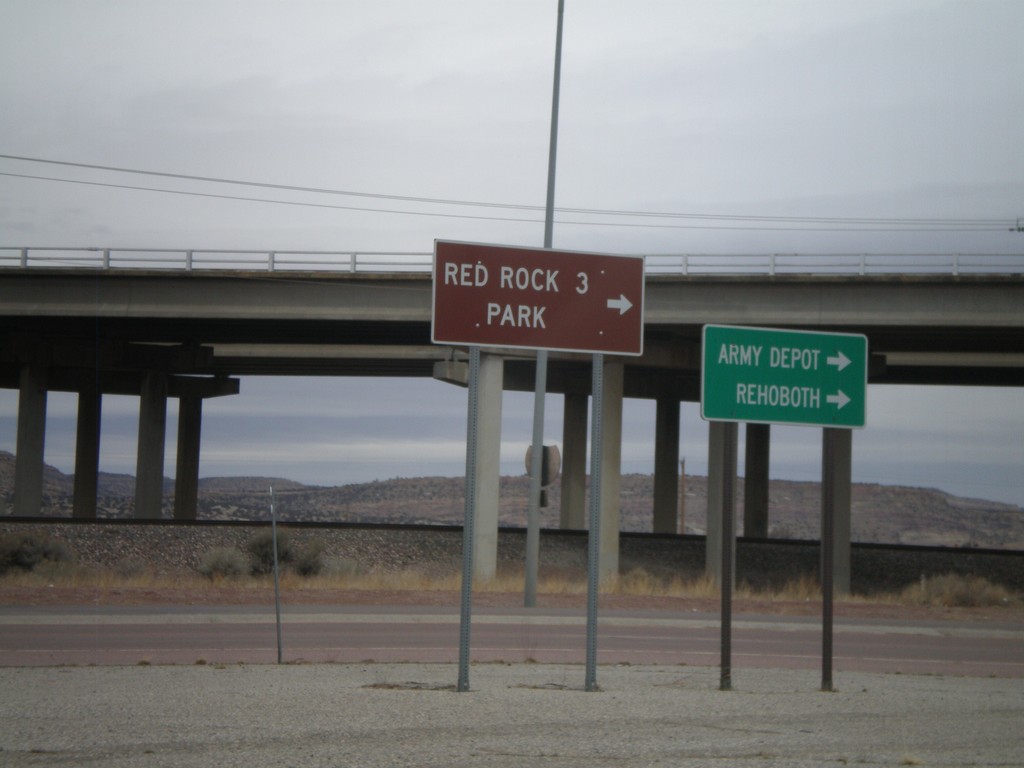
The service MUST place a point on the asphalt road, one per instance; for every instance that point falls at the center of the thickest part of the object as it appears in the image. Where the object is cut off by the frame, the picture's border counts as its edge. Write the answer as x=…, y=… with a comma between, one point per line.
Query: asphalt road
x=190, y=635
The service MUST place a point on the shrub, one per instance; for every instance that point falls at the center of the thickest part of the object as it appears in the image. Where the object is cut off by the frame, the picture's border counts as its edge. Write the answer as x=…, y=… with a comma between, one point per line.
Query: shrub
x=27, y=550
x=261, y=551
x=223, y=562
x=309, y=561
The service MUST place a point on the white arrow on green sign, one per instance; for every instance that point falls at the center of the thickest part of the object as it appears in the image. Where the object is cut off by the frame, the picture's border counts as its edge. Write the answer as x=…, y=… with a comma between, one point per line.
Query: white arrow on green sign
x=774, y=376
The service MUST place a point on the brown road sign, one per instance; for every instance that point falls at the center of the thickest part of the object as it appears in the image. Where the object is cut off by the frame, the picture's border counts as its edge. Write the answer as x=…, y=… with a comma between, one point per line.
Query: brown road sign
x=534, y=298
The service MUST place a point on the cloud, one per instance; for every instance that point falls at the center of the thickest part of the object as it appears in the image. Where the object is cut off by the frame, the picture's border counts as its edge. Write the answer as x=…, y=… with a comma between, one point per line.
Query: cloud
x=877, y=108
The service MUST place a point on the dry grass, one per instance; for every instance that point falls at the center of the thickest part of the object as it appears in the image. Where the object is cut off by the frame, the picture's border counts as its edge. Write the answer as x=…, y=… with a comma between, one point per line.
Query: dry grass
x=635, y=582
x=954, y=590
x=944, y=591
x=86, y=577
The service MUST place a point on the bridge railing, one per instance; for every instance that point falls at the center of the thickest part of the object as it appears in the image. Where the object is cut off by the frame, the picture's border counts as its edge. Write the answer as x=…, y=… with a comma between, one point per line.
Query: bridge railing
x=836, y=263
x=420, y=261
x=216, y=259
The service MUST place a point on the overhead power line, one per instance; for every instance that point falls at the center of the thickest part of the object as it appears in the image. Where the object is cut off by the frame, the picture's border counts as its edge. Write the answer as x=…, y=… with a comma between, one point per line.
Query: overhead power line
x=299, y=203
x=439, y=214
x=845, y=224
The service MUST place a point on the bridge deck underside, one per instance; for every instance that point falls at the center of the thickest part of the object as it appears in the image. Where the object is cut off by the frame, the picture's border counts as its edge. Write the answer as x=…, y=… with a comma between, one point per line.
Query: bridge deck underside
x=928, y=330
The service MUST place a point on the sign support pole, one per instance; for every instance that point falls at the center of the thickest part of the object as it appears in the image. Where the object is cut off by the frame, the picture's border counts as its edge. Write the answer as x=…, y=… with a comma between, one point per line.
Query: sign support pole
x=828, y=477
x=540, y=385
x=729, y=436
x=776, y=376
x=594, y=527
x=472, y=432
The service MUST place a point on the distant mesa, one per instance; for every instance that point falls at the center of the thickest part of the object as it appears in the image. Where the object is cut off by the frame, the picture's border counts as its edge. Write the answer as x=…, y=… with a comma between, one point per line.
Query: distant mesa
x=882, y=514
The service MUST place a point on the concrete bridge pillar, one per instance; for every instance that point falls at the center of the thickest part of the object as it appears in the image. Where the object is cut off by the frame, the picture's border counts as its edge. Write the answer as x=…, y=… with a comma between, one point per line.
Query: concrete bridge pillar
x=666, y=467
x=186, y=476
x=87, y=453
x=149, y=467
x=755, y=481
x=720, y=466
x=611, y=469
x=488, y=468
x=28, y=468
x=572, y=512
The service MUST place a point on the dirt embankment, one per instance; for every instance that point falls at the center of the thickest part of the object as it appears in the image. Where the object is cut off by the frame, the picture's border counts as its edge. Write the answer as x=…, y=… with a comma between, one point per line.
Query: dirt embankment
x=174, y=552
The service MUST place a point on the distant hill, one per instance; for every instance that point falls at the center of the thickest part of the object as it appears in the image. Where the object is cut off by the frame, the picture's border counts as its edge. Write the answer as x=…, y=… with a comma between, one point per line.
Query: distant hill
x=881, y=513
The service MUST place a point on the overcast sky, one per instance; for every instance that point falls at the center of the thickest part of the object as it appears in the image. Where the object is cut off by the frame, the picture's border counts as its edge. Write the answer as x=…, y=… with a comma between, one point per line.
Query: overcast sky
x=895, y=109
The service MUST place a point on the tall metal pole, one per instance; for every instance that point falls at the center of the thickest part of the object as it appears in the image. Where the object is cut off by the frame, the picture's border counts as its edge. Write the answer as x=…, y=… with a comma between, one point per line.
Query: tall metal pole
x=277, y=577
x=549, y=211
x=540, y=383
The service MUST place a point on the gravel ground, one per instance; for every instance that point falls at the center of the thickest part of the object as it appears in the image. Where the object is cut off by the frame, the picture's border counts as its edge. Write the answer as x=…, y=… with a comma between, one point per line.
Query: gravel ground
x=515, y=715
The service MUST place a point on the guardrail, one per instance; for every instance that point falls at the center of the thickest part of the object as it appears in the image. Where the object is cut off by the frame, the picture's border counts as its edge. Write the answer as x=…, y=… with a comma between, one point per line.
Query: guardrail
x=421, y=261
x=217, y=259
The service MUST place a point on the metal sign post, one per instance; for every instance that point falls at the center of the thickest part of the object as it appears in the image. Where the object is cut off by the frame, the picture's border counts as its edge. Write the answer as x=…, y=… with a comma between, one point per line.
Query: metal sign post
x=532, y=298
x=773, y=376
x=472, y=430
x=540, y=299
x=828, y=472
x=594, y=531
x=728, y=537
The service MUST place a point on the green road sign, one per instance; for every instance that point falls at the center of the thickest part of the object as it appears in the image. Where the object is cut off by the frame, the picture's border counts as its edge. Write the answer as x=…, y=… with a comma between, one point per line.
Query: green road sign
x=784, y=377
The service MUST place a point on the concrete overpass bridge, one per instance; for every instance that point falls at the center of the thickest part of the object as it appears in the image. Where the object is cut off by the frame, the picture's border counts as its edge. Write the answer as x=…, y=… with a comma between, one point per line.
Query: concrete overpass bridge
x=186, y=324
